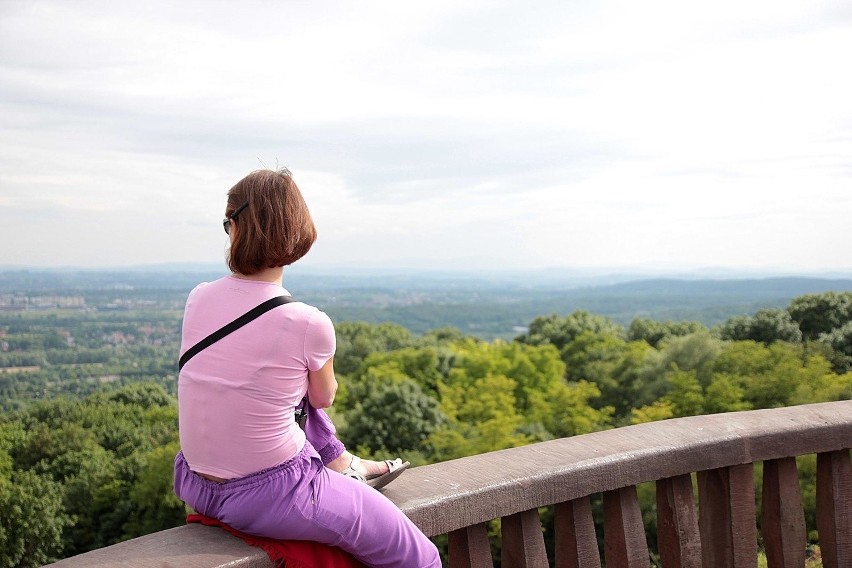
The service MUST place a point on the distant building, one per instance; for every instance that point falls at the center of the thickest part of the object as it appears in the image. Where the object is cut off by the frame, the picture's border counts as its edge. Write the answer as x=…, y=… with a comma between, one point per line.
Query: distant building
x=18, y=303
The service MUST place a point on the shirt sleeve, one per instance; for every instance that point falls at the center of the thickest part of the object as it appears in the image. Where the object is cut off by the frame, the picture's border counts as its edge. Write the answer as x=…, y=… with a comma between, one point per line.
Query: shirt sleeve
x=320, y=341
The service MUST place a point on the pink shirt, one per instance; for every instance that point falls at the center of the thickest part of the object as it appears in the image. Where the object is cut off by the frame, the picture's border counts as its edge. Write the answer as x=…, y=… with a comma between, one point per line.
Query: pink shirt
x=236, y=398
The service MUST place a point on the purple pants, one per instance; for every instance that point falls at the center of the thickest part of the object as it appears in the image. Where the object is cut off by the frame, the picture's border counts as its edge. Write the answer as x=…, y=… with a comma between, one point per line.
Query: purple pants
x=303, y=500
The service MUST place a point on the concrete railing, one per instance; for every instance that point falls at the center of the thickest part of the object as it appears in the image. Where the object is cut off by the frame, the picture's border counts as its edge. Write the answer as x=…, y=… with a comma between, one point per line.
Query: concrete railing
x=459, y=497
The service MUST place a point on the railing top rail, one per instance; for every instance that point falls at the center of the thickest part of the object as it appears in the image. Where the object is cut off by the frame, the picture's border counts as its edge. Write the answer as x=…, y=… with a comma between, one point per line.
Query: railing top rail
x=447, y=496
x=450, y=495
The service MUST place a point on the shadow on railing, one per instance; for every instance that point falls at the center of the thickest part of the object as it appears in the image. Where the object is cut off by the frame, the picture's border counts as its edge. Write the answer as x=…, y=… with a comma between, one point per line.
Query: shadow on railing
x=459, y=497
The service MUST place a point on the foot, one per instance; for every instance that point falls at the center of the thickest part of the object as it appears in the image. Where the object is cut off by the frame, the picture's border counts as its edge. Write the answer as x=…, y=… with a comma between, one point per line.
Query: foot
x=367, y=468
x=373, y=473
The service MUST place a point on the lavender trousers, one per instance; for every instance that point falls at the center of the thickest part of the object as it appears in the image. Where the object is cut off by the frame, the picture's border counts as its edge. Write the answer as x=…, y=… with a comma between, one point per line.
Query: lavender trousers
x=303, y=500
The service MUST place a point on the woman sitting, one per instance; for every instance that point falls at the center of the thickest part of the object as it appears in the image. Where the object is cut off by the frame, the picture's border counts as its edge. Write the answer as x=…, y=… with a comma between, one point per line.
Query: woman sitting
x=244, y=460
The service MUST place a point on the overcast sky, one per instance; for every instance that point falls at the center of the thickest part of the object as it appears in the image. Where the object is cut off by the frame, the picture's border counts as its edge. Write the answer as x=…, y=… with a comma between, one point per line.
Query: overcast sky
x=441, y=134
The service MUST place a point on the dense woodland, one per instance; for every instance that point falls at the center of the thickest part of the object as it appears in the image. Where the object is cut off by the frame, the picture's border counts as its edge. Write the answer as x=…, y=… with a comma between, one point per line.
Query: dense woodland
x=88, y=430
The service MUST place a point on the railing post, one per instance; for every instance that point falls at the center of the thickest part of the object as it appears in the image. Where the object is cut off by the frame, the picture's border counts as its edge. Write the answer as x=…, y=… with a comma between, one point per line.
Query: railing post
x=834, y=508
x=678, y=539
x=783, y=519
x=576, y=541
x=469, y=547
x=726, y=517
x=624, y=533
x=523, y=541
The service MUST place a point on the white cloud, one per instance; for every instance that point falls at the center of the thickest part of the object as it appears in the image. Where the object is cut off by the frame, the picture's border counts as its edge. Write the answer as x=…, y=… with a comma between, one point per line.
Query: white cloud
x=506, y=134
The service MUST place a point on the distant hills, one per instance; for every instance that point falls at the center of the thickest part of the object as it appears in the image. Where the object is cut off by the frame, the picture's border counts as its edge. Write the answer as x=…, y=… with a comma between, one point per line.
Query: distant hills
x=488, y=305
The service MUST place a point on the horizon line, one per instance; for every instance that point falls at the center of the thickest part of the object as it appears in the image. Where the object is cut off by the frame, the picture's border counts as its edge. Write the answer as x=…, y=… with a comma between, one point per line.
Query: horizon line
x=361, y=269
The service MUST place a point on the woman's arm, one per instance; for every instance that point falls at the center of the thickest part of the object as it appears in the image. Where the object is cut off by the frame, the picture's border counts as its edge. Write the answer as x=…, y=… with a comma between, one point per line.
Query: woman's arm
x=322, y=385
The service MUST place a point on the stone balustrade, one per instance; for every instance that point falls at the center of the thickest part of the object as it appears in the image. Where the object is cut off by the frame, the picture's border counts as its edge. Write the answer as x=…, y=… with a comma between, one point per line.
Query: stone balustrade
x=715, y=454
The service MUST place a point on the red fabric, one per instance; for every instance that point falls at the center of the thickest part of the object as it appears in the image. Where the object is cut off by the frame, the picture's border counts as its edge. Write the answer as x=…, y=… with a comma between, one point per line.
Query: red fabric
x=289, y=553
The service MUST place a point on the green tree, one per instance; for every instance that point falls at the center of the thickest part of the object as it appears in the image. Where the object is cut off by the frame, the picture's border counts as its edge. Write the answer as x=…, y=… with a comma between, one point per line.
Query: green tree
x=32, y=520
x=422, y=365
x=840, y=342
x=657, y=410
x=724, y=394
x=146, y=395
x=357, y=340
x=92, y=450
x=482, y=417
x=565, y=409
x=562, y=330
x=88, y=478
x=829, y=387
x=618, y=368
x=393, y=416
x=654, y=332
x=821, y=313
x=685, y=396
x=696, y=352
x=770, y=376
x=766, y=326
x=154, y=504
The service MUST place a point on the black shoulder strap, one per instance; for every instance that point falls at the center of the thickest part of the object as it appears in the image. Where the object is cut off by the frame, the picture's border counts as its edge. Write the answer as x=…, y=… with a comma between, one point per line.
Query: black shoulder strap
x=254, y=313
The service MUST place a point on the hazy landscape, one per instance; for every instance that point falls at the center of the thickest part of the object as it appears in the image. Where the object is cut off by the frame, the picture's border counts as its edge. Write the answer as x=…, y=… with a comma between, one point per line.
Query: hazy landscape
x=433, y=366
x=484, y=304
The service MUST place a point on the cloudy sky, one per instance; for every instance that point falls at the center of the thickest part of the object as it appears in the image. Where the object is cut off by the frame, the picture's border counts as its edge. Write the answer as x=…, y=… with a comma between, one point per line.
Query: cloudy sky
x=441, y=134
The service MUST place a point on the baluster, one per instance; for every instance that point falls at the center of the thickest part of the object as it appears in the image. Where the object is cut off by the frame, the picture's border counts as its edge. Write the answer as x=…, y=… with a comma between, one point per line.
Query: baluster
x=726, y=517
x=834, y=508
x=783, y=524
x=523, y=541
x=469, y=547
x=678, y=539
x=624, y=533
x=576, y=541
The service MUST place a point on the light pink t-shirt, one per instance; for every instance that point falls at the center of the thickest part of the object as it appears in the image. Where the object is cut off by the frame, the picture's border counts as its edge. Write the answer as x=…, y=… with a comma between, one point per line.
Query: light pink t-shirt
x=236, y=398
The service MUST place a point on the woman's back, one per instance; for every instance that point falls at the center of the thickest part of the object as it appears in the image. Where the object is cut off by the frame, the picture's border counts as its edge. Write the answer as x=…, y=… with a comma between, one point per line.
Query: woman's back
x=236, y=398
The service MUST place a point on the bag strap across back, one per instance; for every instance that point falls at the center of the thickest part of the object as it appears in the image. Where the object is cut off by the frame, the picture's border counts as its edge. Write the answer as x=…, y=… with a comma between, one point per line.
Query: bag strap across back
x=252, y=314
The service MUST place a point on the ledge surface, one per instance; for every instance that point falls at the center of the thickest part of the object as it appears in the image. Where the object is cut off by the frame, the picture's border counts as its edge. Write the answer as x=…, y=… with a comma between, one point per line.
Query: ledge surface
x=190, y=546
x=447, y=496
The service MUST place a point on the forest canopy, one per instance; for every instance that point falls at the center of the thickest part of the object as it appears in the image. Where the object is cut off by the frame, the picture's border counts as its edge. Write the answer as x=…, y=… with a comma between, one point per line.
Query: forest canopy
x=88, y=431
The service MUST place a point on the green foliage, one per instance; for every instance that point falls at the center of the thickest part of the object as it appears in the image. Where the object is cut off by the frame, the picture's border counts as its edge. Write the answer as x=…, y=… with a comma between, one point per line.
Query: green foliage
x=90, y=425
x=421, y=365
x=695, y=352
x=654, y=333
x=154, y=504
x=90, y=462
x=685, y=396
x=562, y=330
x=566, y=410
x=657, y=410
x=357, y=340
x=840, y=342
x=827, y=388
x=619, y=369
x=33, y=520
x=725, y=394
x=482, y=417
x=392, y=416
x=771, y=376
x=766, y=326
x=821, y=313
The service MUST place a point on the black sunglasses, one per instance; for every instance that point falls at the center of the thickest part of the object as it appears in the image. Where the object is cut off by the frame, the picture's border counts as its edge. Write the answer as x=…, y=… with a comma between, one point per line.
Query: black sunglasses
x=226, y=223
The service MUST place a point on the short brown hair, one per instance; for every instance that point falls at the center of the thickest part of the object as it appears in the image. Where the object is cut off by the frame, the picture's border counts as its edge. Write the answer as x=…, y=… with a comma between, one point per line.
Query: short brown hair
x=274, y=229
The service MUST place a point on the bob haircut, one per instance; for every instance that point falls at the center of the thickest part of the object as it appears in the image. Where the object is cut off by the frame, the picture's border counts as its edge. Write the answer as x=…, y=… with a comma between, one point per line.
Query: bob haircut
x=274, y=229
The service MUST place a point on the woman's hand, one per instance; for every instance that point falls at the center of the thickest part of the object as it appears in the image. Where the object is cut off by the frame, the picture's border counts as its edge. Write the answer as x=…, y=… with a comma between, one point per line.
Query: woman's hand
x=322, y=385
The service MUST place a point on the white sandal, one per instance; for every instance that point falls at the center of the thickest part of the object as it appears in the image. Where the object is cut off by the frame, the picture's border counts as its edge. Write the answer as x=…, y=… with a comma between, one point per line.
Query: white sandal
x=376, y=480
x=352, y=470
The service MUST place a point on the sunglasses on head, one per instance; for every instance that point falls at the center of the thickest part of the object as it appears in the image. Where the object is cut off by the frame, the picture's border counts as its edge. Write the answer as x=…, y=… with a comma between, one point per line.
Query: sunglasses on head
x=226, y=222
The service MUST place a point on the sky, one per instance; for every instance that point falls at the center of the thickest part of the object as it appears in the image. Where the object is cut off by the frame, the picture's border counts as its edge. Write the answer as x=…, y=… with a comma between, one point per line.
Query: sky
x=458, y=135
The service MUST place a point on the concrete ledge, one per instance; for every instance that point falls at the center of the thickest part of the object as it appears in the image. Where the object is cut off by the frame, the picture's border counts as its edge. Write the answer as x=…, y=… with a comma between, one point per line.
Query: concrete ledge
x=190, y=546
x=450, y=495
x=447, y=496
